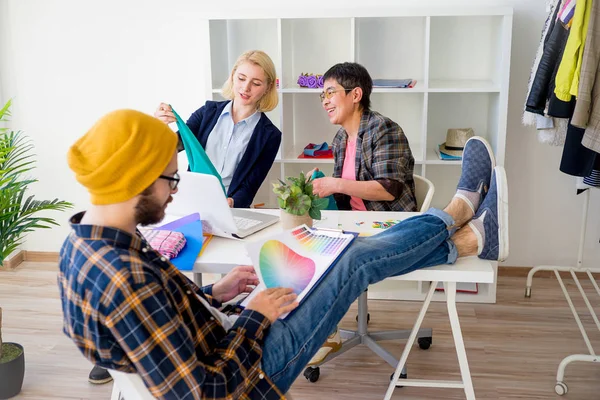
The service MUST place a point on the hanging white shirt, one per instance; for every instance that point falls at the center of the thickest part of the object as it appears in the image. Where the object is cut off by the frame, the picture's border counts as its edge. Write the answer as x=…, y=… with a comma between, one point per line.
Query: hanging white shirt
x=228, y=142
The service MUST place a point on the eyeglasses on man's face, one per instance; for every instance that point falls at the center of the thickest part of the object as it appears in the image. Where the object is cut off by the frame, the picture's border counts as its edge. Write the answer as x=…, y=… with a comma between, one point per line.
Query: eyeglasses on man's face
x=173, y=180
x=328, y=94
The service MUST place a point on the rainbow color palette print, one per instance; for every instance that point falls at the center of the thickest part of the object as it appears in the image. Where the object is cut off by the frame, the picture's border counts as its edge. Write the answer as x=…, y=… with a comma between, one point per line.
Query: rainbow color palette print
x=296, y=258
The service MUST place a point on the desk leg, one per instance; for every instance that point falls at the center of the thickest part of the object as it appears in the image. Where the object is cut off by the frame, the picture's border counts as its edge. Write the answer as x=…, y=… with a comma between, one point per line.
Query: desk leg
x=450, y=289
x=411, y=340
x=198, y=278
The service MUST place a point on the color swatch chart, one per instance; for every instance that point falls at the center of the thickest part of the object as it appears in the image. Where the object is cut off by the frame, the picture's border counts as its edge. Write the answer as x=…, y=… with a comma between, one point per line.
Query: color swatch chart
x=295, y=258
x=319, y=243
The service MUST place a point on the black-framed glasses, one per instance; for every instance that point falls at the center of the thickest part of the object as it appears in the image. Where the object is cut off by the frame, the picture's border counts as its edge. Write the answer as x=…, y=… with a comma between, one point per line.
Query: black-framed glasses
x=173, y=180
x=328, y=94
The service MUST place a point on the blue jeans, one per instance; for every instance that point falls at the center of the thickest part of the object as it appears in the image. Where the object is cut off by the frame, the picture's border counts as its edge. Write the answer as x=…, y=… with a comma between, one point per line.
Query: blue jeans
x=418, y=242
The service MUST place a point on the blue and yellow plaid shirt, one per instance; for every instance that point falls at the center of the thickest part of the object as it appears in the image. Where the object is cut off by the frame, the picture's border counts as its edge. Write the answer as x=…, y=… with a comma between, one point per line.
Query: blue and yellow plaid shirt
x=128, y=308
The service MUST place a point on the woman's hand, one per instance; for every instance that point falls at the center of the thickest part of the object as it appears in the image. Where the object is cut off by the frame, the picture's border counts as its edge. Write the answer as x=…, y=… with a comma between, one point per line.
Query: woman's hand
x=165, y=113
x=240, y=279
x=230, y=202
x=326, y=186
x=310, y=173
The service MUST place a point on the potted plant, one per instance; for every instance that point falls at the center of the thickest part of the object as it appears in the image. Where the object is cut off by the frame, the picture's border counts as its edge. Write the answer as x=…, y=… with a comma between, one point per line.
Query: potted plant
x=18, y=212
x=12, y=367
x=298, y=203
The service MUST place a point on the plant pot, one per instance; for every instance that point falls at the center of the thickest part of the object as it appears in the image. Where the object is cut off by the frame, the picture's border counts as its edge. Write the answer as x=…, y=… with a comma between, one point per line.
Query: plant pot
x=289, y=221
x=12, y=373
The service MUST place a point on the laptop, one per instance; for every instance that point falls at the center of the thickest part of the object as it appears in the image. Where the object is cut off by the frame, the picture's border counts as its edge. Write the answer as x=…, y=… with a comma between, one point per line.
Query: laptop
x=202, y=193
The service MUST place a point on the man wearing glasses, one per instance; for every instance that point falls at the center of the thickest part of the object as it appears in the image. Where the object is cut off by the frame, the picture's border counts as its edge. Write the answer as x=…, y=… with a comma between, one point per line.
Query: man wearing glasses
x=373, y=162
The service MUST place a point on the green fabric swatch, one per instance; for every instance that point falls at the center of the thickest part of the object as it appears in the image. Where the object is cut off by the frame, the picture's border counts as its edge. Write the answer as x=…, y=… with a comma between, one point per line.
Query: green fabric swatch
x=197, y=158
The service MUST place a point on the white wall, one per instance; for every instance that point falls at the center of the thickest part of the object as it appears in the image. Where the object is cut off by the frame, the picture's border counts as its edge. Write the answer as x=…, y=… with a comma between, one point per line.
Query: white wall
x=68, y=62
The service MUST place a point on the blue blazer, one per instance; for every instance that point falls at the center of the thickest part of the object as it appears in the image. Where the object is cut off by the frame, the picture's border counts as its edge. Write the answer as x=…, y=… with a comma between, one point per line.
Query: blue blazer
x=256, y=161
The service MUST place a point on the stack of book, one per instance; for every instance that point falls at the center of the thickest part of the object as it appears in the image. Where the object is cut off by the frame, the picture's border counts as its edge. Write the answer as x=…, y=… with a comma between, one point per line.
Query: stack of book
x=394, y=83
x=446, y=157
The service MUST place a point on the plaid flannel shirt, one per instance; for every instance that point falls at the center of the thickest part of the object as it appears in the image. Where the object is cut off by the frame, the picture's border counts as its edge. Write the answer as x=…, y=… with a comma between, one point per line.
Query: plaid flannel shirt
x=384, y=156
x=128, y=308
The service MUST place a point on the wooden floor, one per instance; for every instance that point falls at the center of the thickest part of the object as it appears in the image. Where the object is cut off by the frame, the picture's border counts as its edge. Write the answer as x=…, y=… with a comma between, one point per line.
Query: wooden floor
x=514, y=347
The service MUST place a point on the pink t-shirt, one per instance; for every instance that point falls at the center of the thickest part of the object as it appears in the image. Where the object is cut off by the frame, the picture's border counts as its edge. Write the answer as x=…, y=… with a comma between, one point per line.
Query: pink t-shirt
x=349, y=172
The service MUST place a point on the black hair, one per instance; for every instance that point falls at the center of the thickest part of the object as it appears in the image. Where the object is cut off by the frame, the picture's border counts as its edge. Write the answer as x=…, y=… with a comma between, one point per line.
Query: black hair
x=351, y=75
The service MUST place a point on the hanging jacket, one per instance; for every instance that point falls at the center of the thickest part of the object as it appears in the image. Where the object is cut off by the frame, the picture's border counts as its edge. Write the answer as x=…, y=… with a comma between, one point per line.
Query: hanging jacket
x=589, y=84
x=554, y=43
x=567, y=78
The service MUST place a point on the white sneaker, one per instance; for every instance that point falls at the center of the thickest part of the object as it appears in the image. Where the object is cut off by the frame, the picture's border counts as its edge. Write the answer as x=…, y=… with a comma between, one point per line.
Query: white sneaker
x=331, y=345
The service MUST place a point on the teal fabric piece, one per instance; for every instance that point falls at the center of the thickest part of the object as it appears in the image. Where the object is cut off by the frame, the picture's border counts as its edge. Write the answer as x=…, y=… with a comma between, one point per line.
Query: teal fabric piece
x=332, y=204
x=197, y=158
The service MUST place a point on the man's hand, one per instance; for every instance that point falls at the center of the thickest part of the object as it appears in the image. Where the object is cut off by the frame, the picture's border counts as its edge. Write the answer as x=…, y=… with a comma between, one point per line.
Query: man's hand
x=230, y=202
x=326, y=186
x=238, y=280
x=274, y=302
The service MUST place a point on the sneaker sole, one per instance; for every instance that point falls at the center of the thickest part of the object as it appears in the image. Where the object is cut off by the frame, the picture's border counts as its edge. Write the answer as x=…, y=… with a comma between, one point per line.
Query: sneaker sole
x=502, y=188
x=100, y=381
x=331, y=347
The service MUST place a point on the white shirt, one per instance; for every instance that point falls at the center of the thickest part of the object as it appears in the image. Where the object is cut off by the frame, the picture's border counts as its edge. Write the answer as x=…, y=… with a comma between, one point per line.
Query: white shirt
x=228, y=142
x=227, y=321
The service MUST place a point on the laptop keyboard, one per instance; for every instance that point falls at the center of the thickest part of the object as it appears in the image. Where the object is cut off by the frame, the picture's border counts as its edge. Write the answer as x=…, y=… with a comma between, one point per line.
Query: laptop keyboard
x=245, y=223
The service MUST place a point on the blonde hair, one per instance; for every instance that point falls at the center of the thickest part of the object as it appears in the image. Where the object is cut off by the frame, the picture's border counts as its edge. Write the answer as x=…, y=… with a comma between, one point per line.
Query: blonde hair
x=270, y=99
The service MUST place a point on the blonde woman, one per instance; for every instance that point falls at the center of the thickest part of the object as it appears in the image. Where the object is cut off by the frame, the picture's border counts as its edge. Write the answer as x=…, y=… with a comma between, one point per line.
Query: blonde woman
x=238, y=137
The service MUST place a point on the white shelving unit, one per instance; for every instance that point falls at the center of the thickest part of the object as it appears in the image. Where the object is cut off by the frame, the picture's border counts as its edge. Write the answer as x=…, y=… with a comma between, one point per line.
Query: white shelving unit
x=460, y=58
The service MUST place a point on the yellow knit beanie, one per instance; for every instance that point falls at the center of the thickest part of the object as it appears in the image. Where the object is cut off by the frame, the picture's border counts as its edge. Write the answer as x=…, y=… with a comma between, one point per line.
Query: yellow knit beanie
x=122, y=155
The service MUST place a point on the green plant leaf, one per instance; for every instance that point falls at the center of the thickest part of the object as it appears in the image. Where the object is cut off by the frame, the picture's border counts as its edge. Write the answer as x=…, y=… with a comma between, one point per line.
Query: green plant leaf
x=320, y=203
x=314, y=213
x=18, y=216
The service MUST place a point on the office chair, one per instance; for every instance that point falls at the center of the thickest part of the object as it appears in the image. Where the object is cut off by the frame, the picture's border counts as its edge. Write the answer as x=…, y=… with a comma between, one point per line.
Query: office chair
x=131, y=387
x=424, y=190
x=128, y=387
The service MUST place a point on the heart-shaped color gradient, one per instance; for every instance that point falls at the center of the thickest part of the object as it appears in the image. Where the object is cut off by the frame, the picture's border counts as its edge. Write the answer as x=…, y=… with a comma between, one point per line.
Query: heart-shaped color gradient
x=280, y=266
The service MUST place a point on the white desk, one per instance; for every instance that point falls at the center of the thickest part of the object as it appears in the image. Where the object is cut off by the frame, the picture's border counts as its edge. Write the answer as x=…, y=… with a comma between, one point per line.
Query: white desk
x=222, y=255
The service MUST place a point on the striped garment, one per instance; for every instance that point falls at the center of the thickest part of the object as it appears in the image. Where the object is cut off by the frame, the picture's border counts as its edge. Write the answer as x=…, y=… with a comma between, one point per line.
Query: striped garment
x=382, y=154
x=167, y=243
x=567, y=10
x=128, y=308
x=593, y=180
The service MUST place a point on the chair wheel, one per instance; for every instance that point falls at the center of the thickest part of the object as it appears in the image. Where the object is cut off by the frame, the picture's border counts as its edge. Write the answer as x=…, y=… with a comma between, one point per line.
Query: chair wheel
x=312, y=374
x=425, y=342
x=402, y=376
x=561, y=388
x=368, y=318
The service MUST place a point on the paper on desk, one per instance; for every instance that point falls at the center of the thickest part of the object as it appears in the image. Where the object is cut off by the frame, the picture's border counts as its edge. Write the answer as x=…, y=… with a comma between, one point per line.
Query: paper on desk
x=328, y=220
x=296, y=258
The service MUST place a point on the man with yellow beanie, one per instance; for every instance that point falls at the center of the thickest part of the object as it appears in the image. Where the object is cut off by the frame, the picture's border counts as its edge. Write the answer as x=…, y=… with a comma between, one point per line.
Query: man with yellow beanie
x=128, y=308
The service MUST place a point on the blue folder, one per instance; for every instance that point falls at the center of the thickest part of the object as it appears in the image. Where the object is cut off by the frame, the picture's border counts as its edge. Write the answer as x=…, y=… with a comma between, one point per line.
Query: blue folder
x=192, y=230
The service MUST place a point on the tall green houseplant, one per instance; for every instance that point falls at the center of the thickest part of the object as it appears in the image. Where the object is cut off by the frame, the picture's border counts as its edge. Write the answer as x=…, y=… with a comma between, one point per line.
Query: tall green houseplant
x=18, y=212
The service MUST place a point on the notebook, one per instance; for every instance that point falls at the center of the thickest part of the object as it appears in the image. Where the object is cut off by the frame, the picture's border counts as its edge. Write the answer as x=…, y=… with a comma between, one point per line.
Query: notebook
x=297, y=258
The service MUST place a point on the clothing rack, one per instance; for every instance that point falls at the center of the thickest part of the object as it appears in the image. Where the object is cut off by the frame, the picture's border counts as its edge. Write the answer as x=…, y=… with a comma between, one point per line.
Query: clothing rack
x=561, y=388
